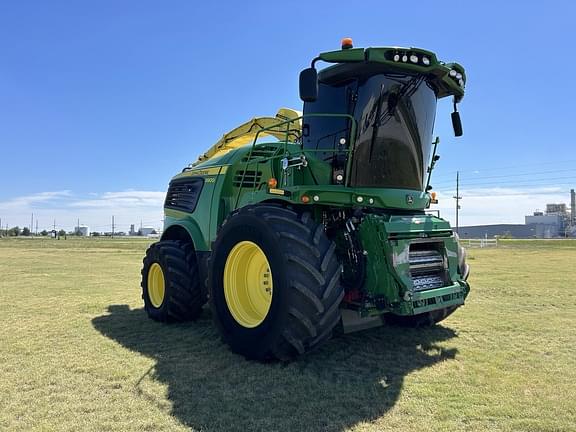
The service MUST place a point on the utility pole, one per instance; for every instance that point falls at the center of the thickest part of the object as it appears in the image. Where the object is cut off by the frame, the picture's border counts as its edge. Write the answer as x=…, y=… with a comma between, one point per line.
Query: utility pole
x=457, y=198
x=32, y=224
x=78, y=227
x=112, y=226
x=54, y=225
x=36, y=226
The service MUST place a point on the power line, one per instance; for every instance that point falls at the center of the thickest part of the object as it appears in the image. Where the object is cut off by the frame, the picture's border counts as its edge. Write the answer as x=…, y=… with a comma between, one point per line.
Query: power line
x=517, y=175
x=450, y=173
x=497, y=195
x=523, y=182
x=480, y=180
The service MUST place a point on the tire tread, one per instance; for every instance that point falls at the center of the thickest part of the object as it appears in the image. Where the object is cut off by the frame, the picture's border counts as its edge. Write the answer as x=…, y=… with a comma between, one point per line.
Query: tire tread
x=184, y=299
x=313, y=281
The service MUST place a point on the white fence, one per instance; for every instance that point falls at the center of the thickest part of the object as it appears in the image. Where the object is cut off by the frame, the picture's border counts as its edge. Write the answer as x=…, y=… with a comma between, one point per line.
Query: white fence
x=481, y=243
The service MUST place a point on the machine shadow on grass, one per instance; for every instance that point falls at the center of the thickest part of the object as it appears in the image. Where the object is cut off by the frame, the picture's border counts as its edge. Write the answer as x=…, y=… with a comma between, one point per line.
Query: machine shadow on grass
x=351, y=379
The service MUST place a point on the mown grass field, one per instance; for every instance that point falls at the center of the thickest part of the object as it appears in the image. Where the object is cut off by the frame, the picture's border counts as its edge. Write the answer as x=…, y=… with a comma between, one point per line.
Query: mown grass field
x=78, y=353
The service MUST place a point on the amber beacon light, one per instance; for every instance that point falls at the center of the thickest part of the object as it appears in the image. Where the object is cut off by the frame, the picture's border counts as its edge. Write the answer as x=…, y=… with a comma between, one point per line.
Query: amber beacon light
x=347, y=43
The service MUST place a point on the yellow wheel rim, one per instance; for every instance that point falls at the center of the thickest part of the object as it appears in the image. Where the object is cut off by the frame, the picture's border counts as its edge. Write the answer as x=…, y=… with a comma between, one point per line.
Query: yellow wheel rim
x=248, y=284
x=156, y=288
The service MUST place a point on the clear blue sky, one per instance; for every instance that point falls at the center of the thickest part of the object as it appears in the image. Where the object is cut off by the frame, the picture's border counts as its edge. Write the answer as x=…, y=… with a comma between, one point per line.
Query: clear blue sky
x=100, y=98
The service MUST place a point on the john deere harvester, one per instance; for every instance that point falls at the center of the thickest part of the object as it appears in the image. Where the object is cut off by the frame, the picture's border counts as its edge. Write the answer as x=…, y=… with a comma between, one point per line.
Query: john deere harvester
x=296, y=225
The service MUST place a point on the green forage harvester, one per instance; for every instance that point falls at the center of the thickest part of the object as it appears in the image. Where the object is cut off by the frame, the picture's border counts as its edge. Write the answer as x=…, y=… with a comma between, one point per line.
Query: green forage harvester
x=294, y=225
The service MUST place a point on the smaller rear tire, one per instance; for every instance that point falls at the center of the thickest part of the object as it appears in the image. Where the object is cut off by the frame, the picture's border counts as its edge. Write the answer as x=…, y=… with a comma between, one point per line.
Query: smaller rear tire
x=170, y=283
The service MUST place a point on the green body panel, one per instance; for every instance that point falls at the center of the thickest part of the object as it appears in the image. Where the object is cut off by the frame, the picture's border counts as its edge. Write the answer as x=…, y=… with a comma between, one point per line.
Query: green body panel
x=387, y=240
x=175, y=217
x=394, y=220
x=200, y=225
x=343, y=56
x=448, y=86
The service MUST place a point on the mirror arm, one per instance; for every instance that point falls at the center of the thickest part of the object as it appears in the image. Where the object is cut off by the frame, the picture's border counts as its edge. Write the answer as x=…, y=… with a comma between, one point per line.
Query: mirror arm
x=432, y=163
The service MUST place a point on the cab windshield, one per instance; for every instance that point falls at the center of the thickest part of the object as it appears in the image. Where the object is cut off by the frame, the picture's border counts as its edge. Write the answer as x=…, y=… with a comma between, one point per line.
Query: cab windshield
x=395, y=117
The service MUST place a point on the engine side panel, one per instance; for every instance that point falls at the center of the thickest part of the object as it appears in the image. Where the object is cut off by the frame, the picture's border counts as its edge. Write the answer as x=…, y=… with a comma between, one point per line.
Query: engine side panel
x=412, y=263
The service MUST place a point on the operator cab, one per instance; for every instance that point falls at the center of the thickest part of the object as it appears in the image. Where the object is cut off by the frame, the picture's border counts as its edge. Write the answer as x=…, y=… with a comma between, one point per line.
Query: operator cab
x=385, y=108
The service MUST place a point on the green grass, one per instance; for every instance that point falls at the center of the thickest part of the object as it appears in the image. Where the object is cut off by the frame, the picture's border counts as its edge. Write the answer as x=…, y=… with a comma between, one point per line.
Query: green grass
x=78, y=353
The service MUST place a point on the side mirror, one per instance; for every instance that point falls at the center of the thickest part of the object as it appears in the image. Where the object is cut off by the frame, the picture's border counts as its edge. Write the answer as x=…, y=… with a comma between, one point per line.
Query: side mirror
x=456, y=123
x=309, y=85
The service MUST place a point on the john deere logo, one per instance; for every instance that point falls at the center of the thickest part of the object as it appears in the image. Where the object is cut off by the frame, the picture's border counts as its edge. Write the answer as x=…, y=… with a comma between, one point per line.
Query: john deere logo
x=409, y=199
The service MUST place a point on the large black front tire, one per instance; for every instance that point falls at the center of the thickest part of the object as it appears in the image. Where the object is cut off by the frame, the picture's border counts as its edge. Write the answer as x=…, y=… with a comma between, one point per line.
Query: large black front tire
x=304, y=307
x=182, y=299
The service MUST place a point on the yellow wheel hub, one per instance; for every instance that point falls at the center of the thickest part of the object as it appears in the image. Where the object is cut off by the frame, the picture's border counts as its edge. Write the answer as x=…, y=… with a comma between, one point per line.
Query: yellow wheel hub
x=156, y=288
x=248, y=284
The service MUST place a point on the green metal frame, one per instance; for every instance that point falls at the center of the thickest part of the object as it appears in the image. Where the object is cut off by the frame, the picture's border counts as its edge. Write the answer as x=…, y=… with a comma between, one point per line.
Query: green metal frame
x=287, y=153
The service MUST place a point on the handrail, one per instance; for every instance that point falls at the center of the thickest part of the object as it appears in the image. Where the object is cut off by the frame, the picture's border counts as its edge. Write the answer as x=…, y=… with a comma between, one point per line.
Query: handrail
x=350, y=150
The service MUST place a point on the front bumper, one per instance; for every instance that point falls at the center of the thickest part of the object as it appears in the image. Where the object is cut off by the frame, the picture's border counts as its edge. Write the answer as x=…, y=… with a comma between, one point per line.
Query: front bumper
x=434, y=299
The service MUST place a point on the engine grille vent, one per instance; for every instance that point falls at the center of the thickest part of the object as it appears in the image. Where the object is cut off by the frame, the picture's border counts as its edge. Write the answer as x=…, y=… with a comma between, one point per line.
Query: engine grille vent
x=251, y=178
x=260, y=152
x=183, y=194
x=427, y=267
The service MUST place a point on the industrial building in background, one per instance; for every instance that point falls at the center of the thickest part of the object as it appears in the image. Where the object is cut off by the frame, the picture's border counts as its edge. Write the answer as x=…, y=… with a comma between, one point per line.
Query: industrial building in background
x=552, y=223
x=147, y=231
x=556, y=222
x=83, y=230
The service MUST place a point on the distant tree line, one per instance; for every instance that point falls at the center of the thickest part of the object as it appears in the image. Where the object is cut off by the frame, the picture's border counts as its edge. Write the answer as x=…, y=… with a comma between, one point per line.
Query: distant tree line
x=15, y=232
x=25, y=232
